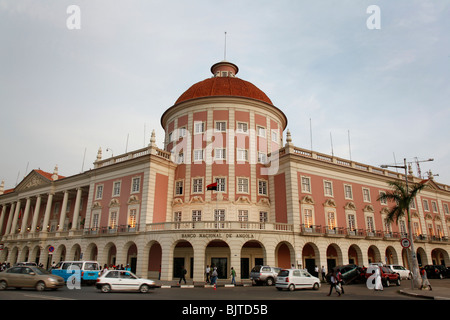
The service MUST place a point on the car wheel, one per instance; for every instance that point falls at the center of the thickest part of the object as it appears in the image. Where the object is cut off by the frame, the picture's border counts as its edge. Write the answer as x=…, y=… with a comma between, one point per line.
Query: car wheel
x=144, y=288
x=3, y=285
x=387, y=283
x=316, y=286
x=269, y=282
x=398, y=282
x=291, y=287
x=106, y=288
x=40, y=286
x=440, y=276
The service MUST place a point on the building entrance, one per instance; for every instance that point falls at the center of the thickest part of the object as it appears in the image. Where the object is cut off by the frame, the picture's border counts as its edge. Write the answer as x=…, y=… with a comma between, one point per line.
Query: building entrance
x=222, y=267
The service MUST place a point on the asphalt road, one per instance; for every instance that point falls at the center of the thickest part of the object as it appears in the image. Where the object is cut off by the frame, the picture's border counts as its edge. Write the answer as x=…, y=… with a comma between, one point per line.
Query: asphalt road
x=222, y=303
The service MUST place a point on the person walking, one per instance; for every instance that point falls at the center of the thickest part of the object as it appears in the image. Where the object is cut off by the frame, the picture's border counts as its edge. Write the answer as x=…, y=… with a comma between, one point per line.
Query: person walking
x=233, y=276
x=340, y=281
x=425, y=281
x=207, y=272
x=323, y=274
x=183, y=275
x=333, y=283
x=214, y=276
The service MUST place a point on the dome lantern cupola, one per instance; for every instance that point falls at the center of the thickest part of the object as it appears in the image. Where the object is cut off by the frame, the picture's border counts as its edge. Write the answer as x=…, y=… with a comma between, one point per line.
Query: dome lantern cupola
x=224, y=69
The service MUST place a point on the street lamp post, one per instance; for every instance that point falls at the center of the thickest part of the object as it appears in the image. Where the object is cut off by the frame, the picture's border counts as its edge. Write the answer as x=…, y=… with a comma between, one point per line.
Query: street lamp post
x=414, y=263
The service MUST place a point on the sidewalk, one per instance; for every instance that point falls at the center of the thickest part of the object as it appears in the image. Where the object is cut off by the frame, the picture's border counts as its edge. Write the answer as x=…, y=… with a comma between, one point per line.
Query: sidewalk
x=199, y=284
x=438, y=293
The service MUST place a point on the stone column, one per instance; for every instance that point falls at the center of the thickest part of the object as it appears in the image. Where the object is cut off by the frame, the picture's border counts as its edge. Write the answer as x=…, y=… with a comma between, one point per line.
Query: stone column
x=15, y=218
x=25, y=216
x=10, y=218
x=2, y=218
x=36, y=213
x=48, y=208
x=76, y=212
x=62, y=216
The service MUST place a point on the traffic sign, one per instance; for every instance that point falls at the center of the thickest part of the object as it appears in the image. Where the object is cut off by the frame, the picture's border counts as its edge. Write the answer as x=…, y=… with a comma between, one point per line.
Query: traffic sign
x=405, y=243
x=51, y=249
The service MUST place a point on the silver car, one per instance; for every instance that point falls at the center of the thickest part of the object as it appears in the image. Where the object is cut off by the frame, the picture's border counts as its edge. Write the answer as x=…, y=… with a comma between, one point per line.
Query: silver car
x=264, y=274
x=29, y=277
x=401, y=270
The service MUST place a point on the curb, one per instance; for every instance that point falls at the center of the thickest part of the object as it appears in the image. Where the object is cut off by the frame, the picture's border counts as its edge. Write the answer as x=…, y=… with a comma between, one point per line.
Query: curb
x=417, y=295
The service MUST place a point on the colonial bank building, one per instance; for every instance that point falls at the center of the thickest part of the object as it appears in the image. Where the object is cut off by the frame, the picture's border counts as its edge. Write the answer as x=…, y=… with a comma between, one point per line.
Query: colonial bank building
x=226, y=190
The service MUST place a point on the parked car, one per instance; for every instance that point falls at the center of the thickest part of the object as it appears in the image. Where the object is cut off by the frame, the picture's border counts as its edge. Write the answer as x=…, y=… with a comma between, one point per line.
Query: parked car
x=401, y=270
x=34, y=264
x=349, y=273
x=123, y=280
x=29, y=277
x=89, y=270
x=437, y=271
x=292, y=279
x=387, y=275
x=264, y=274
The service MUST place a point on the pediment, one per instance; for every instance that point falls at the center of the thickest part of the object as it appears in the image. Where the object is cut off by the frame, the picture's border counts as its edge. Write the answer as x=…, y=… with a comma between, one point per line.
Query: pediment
x=32, y=180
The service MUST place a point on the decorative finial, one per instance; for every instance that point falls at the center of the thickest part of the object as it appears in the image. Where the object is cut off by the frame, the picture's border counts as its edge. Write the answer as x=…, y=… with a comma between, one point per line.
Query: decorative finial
x=99, y=154
x=152, y=139
x=288, y=138
x=55, y=173
x=2, y=187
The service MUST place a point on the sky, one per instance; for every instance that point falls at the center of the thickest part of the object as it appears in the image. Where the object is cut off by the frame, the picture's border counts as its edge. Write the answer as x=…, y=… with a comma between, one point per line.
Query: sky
x=369, y=86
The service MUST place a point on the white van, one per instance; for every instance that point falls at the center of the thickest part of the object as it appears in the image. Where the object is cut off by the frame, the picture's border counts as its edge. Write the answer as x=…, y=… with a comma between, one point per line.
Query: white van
x=90, y=270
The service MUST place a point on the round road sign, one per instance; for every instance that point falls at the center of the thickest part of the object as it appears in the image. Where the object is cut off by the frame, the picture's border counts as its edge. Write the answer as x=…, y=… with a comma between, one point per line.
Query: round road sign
x=405, y=243
x=51, y=249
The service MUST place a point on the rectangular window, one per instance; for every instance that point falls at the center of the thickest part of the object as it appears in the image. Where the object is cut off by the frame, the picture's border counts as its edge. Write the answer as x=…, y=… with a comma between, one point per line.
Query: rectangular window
x=95, y=219
x=262, y=157
x=370, y=224
x=116, y=188
x=261, y=131
x=242, y=185
x=242, y=127
x=274, y=136
x=219, y=218
x=181, y=132
x=425, y=205
x=198, y=155
x=331, y=220
x=220, y=153
x=383, y=201
x=135, y=185
x=197, y=185
x=308, y=218
x=416, y=228
x=306, y=184
x=132, y=218
x=328, y=188
x=180, y=158
x=434, y=206
x=221, y=126
x=263, y=217
x=177, y=219
x=199, y=127
x=446, y=208
x=243, y=217
x=351, y=222
x=99, y=193
x=113, y=220
x=262, y=187
x=348, y=191
x=221, y=184
x=366, y=195
x=179, y=187
x=403, y=227
x=242, y=155
x=196, y=215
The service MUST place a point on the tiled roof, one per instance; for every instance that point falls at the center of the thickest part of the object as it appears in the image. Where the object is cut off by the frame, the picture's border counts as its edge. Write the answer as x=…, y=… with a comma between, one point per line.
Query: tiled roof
x=223, y=86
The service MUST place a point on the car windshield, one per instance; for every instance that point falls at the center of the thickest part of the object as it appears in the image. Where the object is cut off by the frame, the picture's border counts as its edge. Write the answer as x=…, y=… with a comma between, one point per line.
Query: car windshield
x=40, y=271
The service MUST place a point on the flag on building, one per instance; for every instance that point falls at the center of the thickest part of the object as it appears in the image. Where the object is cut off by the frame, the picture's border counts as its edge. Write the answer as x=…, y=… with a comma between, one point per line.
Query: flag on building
x=212, y=186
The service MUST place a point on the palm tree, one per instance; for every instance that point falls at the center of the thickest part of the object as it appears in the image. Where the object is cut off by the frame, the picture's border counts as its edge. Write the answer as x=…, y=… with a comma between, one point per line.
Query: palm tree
x=403, y=197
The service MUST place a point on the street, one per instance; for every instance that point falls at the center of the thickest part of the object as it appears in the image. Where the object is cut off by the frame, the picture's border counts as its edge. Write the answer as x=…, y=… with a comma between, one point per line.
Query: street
x=223, y=302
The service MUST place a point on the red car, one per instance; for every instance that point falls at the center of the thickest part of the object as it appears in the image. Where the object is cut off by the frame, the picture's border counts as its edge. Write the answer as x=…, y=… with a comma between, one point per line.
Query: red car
x=387, y=276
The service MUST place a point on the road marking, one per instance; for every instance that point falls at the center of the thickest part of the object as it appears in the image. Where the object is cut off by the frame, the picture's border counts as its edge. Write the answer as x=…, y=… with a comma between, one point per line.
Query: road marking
x=47, y=297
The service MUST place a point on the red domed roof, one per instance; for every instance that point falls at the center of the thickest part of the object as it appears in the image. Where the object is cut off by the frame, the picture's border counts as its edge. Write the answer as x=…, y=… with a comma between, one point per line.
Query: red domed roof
x=223, y=86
